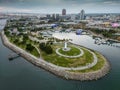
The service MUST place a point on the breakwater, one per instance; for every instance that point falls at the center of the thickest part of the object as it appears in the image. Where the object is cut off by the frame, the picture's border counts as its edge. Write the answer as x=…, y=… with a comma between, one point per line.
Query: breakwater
x=54, y=69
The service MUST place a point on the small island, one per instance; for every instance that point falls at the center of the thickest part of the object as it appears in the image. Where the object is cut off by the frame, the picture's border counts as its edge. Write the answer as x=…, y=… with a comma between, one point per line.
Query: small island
x=60, y=57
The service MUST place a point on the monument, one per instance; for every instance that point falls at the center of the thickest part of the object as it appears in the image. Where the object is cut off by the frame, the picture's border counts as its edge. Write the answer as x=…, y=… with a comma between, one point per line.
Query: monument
x=66, y=48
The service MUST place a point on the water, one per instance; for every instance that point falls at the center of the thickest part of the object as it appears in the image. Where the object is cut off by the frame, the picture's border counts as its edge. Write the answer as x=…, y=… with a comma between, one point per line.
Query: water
x=22, y=75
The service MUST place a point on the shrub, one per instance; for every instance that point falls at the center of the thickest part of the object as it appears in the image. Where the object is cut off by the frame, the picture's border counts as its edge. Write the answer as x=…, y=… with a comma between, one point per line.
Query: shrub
x=29, y=47
x=7, y=33
x=42, y=46
x=46, y=48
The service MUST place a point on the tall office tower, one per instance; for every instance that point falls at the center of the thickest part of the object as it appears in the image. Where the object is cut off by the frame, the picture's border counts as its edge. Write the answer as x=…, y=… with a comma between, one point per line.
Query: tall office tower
x=57, y=16
x=64, y=12
x=53, y=16
x=48, y=16
x=82, y=15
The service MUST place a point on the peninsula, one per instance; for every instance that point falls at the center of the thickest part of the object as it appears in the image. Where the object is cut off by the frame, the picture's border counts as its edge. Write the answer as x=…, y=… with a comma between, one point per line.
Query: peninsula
x=59, y=56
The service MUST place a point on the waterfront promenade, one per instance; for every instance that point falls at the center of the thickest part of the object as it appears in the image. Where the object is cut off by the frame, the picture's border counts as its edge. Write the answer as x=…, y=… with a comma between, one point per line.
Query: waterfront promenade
x=57, y=70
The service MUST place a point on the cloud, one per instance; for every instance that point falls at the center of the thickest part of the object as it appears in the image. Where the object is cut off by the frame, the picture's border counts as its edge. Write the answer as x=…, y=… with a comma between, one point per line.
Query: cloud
x=21, y=10
x=112, y=2
x=2, y=8
x=6, y=9
x=57, y=5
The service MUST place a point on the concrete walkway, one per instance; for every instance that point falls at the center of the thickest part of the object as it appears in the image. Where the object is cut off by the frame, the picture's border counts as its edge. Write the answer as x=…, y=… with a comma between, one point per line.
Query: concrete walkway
x=72, y=68
x=45, y=63
x=36, y=39
x=36, y=49
x=76, y=56
x=77, y=68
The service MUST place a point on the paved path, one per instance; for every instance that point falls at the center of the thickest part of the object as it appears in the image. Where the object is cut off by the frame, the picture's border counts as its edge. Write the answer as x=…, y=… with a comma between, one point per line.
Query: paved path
x=45, y=63
x=75, y=56
x=36, y=39
x=36, y=48
x=72, y=68
x=77, y=68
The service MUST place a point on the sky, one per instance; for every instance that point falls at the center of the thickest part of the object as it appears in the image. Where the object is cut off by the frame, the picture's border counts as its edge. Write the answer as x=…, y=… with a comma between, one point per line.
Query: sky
x=56, y=6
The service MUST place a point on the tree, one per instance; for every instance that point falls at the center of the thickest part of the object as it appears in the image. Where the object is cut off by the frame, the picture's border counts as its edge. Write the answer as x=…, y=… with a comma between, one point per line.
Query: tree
x=42, y=46
x=7, y=33
x=16, y=41
x=25, y=37
x=29, y=47
x=48, y=49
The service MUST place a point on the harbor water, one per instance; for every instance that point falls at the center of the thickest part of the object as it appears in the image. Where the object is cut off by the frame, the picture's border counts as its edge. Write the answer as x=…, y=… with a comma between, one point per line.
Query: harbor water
x=19, y=74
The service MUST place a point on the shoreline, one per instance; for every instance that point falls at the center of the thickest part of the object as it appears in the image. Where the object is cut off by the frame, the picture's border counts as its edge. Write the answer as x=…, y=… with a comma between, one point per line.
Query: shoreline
x=57, y=71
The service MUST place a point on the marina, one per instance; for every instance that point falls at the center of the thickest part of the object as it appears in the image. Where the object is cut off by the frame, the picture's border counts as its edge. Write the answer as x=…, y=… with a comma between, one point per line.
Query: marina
x=19, y=72
x=16, y=67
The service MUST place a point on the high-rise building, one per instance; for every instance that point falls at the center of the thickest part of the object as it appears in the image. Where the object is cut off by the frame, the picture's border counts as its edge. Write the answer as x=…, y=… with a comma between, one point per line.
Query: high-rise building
x=64, y=12
x=48, y=16
x=57, y=16
x=82, y=15
x=53, y=16
x=73, y=17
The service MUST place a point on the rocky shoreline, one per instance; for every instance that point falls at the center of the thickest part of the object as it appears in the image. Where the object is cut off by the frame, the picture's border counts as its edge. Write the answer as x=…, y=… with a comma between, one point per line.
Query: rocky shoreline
x=57, y=71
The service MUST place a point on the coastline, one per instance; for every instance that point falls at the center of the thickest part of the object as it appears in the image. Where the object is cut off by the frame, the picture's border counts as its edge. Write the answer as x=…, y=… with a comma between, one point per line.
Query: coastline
x=59, y=72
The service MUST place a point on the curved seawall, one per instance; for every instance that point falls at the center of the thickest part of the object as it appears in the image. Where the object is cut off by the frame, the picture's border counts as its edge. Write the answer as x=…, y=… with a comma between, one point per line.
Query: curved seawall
x=55, y=69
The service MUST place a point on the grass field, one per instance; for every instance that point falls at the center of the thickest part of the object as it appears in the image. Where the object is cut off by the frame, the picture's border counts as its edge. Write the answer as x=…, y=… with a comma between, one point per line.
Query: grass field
x=67, y=62
x=73, y=51
x=23, y=46
x=98, y=66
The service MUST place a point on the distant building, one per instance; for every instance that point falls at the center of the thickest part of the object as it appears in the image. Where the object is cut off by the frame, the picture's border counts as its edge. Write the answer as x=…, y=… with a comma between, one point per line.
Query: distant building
x=82, y=15
x=115, y=25
x=73, y=17
x=64, y=12
x=53, y=16
x=48, y=16
x=54, y=25
x=57, y=16
x=79, y=32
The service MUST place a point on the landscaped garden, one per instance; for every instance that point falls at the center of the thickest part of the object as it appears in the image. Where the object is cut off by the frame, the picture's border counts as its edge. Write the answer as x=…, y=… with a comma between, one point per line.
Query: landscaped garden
x=48, y=53
x=98, y=66
x=25, y=43
x=68, y=62
x=73, y=51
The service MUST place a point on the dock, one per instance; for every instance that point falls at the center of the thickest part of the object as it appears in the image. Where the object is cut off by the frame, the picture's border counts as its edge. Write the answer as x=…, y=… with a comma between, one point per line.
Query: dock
x=13, y=56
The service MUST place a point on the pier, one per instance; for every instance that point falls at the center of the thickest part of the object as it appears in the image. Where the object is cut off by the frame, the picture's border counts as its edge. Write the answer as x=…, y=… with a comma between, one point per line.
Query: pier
x=13, y=56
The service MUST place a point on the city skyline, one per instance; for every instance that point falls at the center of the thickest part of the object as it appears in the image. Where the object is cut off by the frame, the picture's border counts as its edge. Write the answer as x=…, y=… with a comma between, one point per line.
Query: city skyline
x=55, y=6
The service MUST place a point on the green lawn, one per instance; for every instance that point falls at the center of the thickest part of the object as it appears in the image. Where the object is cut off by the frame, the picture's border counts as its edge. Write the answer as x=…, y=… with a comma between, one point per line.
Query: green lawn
x=73, y=51
x=35, y=53
x=23, y=46
x=98, y=66
x=67, y=62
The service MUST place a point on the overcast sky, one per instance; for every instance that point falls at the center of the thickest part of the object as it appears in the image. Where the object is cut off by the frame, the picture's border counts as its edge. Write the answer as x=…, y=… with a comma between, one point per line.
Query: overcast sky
x=55, y=6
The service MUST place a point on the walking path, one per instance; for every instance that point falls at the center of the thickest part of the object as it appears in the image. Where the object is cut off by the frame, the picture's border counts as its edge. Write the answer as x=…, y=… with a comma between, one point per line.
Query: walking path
x=71, y=68
x=60, y=71
x=81, y=67
x=40, y=60
x=76, y=56
x=36, y=49
x=36, y=39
